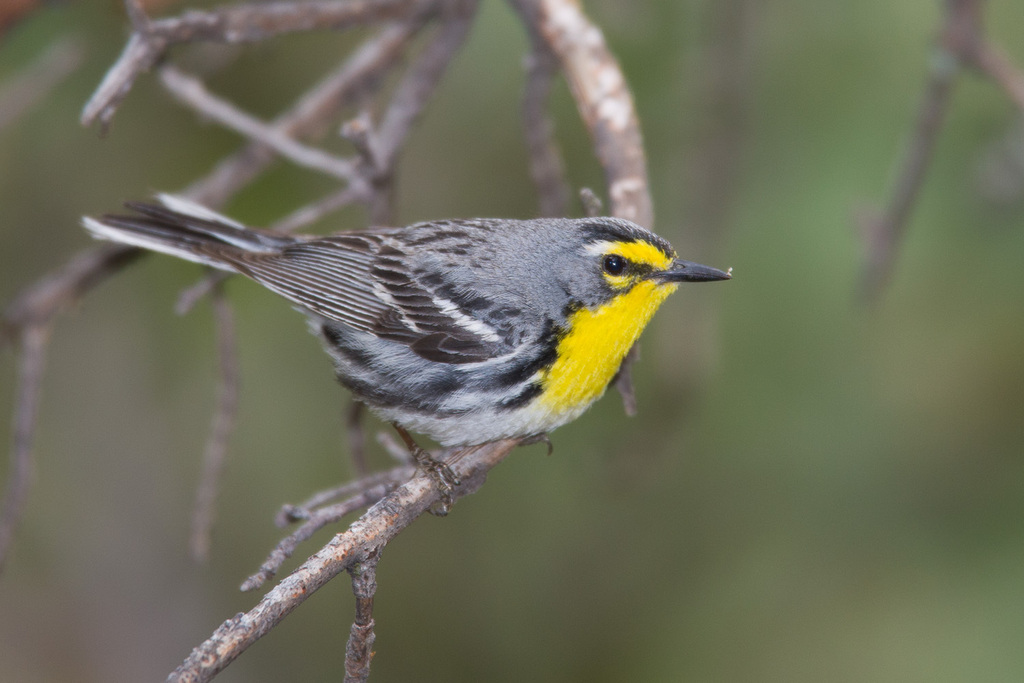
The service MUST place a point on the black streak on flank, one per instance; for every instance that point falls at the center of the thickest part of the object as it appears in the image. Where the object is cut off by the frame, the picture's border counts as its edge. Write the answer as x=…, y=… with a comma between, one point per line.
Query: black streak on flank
x=523, y=371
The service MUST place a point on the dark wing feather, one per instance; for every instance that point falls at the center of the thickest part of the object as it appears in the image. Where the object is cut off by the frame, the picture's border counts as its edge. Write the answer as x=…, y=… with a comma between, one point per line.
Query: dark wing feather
x=360, y=280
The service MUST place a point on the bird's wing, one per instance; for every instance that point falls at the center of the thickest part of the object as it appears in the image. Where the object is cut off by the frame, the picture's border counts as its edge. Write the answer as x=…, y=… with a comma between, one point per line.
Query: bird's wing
x=367, y=282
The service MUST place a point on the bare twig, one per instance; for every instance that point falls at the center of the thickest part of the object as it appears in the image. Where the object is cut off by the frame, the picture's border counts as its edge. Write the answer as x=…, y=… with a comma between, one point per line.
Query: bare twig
x=602, y=97
x=883, y=232
x=190, y=91
x=233, y=24
x=191, y=295
x=309, y=117
x=40, y=302
x=397, y=451
x=28, y=319
x=410, y=97
x=723, y=91
x=546, y=166
x=313, y=212
x=290, y=514
x=30, y=374
x=359, y=650
x=215, y=454
x=592, y=204
x=367, y=535
x=312, y=114
x=33, y=83
x=362, y=493
x=961, y=42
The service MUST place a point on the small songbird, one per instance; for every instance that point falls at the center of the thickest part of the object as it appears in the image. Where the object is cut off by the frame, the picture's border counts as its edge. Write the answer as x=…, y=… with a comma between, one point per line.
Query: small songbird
x=467, y=331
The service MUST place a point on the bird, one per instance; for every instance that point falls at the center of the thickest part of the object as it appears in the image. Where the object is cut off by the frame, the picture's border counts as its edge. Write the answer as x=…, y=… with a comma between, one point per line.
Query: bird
x=465, y=330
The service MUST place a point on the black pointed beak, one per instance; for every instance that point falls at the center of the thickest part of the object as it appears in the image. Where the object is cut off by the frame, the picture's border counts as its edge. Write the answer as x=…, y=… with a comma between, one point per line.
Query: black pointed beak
x=687, y=271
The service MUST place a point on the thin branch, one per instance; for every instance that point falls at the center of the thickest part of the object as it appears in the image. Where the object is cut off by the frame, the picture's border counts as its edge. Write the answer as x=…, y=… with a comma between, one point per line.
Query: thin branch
x=290, y=514
x=411, y=96
x=311, y=213
x=28, y=319
x=30, y=376
x=602, y=98
x=546, y=165
x=312, y=114
x=308, y=117
x=962, y=41
x=397, y=451
x=215, y=453
x=367, y=535
x=32, y=84
x=362, y=494
x=359, y=650
x=191, y=92
x=419, y=82
x=723, y=91
x=592, y=204
x=38, y=303
x=233, y=24
x=885, y=231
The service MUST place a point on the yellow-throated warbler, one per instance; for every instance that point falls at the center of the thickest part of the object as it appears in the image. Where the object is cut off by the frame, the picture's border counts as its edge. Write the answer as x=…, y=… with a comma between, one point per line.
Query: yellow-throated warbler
x=467, y=331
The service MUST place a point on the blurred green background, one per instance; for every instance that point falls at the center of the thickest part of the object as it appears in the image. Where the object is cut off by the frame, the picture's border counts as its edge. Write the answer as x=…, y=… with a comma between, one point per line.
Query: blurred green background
x=814, y=489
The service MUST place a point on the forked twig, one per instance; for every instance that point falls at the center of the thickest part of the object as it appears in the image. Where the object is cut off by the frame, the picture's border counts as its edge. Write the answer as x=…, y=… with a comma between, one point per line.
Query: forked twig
x=962, y=42
x=359, y=494
x=233, y=24
x=365, y=536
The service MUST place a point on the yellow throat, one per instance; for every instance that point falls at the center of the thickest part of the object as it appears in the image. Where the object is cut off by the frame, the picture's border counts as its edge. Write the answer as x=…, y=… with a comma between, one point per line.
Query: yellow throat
x=592, y=350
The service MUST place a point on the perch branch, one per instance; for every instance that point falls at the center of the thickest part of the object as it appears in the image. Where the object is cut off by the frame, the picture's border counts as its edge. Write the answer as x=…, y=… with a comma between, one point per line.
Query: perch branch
x=24, y=91
x=367, y=535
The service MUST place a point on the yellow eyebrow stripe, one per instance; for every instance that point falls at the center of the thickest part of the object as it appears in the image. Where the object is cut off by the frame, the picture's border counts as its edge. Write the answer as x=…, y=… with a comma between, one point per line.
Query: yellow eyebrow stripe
x=640, y=252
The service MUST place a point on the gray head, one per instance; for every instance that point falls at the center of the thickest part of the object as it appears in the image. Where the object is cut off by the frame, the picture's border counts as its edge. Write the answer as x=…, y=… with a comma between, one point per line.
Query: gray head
x=545, y=266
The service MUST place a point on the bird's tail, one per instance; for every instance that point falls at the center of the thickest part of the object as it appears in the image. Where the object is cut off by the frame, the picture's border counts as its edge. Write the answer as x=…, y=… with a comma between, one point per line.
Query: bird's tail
x=185, y=229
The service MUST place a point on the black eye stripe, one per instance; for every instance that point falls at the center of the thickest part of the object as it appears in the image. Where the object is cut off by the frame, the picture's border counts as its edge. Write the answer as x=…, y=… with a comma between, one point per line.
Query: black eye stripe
x=615, y=264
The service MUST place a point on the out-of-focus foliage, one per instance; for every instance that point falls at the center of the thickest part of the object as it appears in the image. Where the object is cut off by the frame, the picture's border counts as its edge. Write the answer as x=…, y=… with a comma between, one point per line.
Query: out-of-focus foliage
x=814, y=489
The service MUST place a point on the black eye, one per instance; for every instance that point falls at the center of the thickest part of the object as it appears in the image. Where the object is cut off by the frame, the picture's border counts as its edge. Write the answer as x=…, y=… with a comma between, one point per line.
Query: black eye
x=614, y=264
